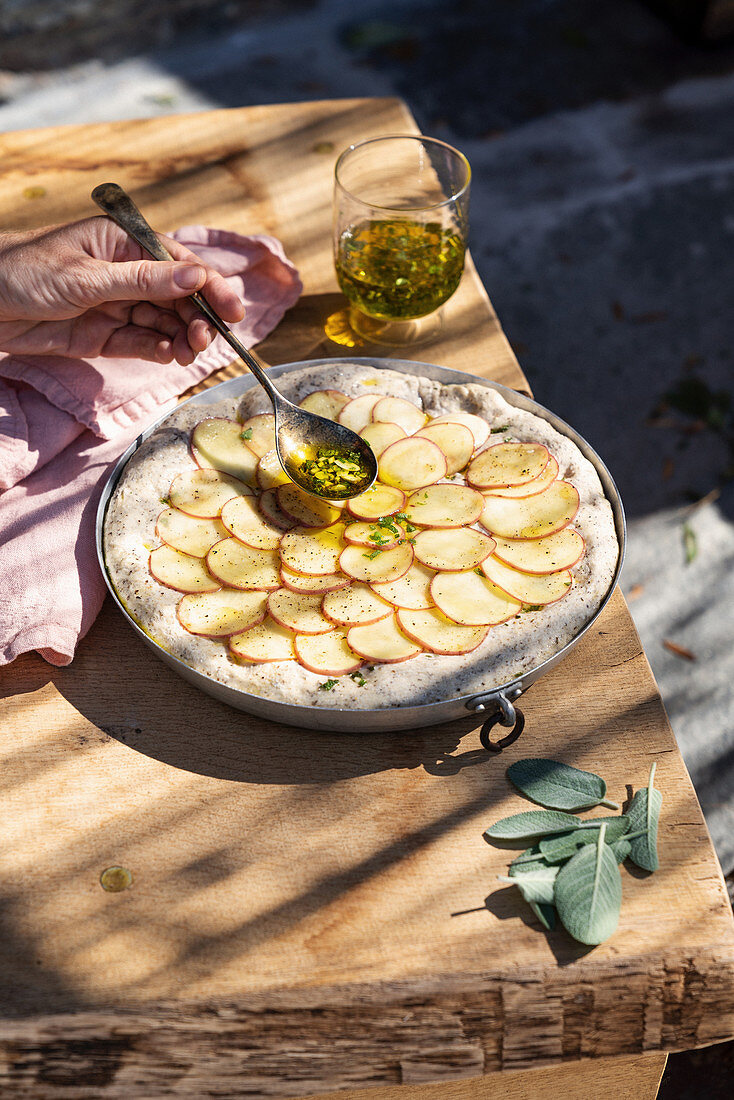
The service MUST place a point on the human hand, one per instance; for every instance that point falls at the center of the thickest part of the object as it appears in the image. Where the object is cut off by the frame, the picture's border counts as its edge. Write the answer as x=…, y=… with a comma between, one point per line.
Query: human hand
x=87, y=289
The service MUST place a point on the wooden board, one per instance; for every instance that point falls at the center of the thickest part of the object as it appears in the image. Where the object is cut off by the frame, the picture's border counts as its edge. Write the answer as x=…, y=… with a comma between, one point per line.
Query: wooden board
x=311, y=912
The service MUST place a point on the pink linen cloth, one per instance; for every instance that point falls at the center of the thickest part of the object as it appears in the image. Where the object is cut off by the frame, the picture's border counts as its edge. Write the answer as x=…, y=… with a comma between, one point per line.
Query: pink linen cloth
x=63, y=424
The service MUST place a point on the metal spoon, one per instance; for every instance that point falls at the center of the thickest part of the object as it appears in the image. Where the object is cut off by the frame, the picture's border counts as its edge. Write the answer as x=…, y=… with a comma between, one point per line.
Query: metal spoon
x=300, y=436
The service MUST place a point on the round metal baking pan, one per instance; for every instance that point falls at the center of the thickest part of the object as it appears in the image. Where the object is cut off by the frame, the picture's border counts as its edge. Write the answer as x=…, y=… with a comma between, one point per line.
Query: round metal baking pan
x=497, y=704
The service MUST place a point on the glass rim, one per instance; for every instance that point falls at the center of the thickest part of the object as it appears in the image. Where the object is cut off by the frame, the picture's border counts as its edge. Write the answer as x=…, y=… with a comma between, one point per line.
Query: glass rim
x=404, y=137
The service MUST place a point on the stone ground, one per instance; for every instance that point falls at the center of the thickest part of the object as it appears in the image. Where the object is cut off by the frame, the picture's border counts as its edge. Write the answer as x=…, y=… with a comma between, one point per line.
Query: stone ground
x=602, y=226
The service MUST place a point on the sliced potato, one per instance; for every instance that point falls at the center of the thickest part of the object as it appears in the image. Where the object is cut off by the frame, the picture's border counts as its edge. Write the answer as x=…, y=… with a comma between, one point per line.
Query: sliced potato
x=434, y=632
x=472, y=600
x=412, y=590
x=306, y=510
x=266, y=641
x=455, y=440
x=444, y=506
x=478, y=427
x=243, y=519
x=327, y=654
x=315, y=552
x=370, y=535
x=452, y=550
x=379, y=436
x=240, y=566
x=355, y=604
x=531, y=517
x=560, y=551
x=529, y=588
x=506, y=464
x=380, y=500
x=273, y=513
x=382, y=642
x=216, y=443
x=530, y=488
x=383, y=565
x=259, y=433
x=412, y=463
x=298, y=611
x=203, y=493
x=357, y=413
x=270, y=474
x=307, y=582
x=189, y=534
x=180, y=571
x=396, y=410
x=219, y=614
x=326, y=403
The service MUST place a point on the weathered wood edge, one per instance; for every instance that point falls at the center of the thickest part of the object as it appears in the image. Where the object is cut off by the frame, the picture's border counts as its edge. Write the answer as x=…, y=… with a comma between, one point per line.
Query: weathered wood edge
x=302, y=1042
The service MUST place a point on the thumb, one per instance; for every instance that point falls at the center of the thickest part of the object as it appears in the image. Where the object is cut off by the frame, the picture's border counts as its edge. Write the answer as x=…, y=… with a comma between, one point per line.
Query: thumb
x=148, y=280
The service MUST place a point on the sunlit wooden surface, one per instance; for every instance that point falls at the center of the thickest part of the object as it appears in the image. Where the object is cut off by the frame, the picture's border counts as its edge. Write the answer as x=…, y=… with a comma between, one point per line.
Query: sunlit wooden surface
x=312, y=912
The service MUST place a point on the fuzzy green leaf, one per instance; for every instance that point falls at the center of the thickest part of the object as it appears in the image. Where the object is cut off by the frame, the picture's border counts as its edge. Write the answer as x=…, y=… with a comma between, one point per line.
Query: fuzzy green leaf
x=588, y=892
x=644, y=814
x=556, y=849
x=621, y=849
x=546, y=914
x=532, y=823
x=534, y=883
x=558, y=786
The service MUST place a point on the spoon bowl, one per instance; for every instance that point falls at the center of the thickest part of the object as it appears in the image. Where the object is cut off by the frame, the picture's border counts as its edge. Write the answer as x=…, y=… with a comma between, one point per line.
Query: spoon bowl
x=322, y=457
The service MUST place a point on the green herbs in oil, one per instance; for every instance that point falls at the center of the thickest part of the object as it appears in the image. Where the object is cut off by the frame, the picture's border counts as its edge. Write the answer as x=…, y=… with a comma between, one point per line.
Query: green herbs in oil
x=398, y=269
x=331, y=472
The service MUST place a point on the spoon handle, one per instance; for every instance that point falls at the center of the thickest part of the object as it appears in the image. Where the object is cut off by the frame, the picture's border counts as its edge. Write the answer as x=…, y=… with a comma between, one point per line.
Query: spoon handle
x=114, y=201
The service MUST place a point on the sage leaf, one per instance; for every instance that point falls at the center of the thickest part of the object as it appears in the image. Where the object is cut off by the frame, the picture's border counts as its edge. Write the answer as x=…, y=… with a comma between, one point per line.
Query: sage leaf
x=546, y=914
x=559, y=786
x=556, y=849
x=621, y=849
x=588, y=892
x=534, y=883
x=530, y=857
x=644, y=814
x=532, y=823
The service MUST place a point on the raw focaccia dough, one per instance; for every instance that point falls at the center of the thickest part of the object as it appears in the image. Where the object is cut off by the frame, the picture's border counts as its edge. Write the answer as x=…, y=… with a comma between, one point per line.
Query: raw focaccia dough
x=508, y=650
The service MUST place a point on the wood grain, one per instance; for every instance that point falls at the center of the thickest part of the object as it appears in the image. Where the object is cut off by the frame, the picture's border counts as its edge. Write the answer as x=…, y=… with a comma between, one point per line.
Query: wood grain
x=312, y=912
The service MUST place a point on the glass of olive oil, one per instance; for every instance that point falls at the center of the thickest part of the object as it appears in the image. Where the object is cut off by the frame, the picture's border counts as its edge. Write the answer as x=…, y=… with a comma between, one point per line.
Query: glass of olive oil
x=400, y=227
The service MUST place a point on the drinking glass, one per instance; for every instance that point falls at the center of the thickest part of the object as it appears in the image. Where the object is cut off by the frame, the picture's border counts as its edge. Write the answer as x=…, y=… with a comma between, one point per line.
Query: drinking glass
x=400, y=228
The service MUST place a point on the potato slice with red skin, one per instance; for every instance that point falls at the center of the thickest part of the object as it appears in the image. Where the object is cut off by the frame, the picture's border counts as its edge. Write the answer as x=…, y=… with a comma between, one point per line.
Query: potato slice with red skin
x=238, y=566
x=471, y=600
x=386, y=565
x=396, y=410
x=452, y=550
x=270, y=474
x=189, y=534
x=306, y=510
x=222, y=613
x=258, y=432
x=217, y=444
x=379, y=436
x=180, y=571
x=531, y=517
x=355, y=604
x=298, y=611
x=273, y=513
x=266, y=641
x=311, y=551
x=411, y=463
x=326, y=403
x=560, y=551
x=530, y=488
x=455, y=440
x=434, y=632
x=306, y=582
x=378, y=501
x=203, y=493
x=506, y=464
x=327, y=654
x=360, y=534
x=478, y=427
x=382, y=642
x=529, y=588
x=357, y=413
x=444, y=506
x=411, y=591
x=243, y=519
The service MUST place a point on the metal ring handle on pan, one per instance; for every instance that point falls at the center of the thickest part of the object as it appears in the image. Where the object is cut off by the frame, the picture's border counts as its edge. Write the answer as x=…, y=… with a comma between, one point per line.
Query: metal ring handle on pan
x=505, y=714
